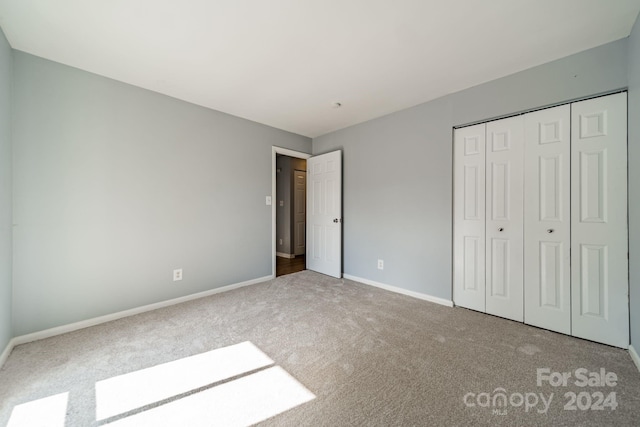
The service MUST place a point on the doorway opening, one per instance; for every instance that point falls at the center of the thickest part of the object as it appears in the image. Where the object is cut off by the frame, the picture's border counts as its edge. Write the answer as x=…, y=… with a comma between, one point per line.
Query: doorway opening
x=289, y=211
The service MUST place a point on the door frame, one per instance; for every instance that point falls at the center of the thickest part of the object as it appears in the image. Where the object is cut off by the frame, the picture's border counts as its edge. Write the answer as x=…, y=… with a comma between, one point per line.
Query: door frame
x=286, y=152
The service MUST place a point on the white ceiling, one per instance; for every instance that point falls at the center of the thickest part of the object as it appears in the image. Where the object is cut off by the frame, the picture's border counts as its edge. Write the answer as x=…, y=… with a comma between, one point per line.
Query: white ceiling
x=285, y=62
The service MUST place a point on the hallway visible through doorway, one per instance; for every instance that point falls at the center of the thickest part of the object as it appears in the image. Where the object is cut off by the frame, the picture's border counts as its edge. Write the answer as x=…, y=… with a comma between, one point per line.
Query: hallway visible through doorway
x=290, y=210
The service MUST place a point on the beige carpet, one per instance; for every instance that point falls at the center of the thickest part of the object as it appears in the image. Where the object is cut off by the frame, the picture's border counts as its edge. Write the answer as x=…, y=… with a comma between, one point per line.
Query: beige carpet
x=369, y=356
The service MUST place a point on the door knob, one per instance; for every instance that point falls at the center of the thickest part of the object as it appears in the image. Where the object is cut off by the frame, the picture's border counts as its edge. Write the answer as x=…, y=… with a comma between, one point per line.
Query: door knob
x=550, y=230
x=500, y=229
x=336, y=220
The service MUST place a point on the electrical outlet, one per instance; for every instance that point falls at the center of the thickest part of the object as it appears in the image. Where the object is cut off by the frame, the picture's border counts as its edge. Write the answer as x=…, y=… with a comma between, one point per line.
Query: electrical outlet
x=268, y=200
x=280, y=241
x=177, y=274
x=380, y=264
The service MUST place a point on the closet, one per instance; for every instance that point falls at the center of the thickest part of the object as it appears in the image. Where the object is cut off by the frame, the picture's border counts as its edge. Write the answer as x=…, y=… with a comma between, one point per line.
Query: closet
x=540, y=219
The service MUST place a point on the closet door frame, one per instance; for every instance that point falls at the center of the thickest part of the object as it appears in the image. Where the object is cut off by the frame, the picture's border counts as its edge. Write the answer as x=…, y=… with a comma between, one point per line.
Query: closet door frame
x=597, y=268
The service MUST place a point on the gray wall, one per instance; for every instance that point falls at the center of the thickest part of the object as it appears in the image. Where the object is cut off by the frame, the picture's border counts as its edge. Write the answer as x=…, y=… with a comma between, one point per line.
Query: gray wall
x=634, y=182
x=5, y=191
x=115, y=186
x=398, y=168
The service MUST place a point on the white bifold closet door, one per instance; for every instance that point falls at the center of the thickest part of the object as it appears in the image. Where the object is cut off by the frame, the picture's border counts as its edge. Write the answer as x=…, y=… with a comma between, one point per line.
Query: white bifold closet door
x=547, y=238
x=504, y=224
x=540, y=219
x=469, y=217
x=488, y=216
x=599, y=246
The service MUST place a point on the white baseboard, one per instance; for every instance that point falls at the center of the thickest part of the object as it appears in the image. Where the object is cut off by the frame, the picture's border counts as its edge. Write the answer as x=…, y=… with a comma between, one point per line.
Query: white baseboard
x=283, y=255
x=47, y=333
x=402, y=291
x=7, y=351
x=634, y=356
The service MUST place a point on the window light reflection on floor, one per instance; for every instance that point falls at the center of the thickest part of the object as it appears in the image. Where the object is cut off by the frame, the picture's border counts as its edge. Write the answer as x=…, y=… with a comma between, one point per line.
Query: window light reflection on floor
x=118, y=395
x=242, y=402
x=251, y=398
x=49, y=411
x=240, y=386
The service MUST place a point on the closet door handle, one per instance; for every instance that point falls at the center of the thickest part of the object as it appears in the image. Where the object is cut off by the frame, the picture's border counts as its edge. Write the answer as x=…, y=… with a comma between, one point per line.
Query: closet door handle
x=550, y=230
x=500, y=229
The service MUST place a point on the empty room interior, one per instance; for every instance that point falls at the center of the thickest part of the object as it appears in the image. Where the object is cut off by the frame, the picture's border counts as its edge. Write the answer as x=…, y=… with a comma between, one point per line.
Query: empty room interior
x=319, y=213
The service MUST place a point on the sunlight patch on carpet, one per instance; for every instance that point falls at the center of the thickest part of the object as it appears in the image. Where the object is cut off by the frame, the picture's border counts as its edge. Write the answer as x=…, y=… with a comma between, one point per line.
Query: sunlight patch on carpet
x=123, y=393
x=49, y=411
x=242, y=402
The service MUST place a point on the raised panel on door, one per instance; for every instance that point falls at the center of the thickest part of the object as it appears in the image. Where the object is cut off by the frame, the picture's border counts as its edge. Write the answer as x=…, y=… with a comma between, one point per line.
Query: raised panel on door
x=547, y=239
x=599, y=247
x=469, y=217
x=324, y=214
x=504, y=222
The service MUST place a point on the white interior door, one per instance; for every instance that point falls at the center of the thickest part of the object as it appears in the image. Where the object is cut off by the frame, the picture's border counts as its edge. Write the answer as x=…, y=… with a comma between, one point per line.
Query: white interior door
x=469, y=217
x=547, y=238
x=504, y=225
x=324, y=214
x=299, y=211
x=599, y=248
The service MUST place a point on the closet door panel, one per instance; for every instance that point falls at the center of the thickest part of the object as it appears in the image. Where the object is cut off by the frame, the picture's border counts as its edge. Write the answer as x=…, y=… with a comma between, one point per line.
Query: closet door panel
x=599, y=247
x=469, y=217
x=504, y=224
x=547, y=238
